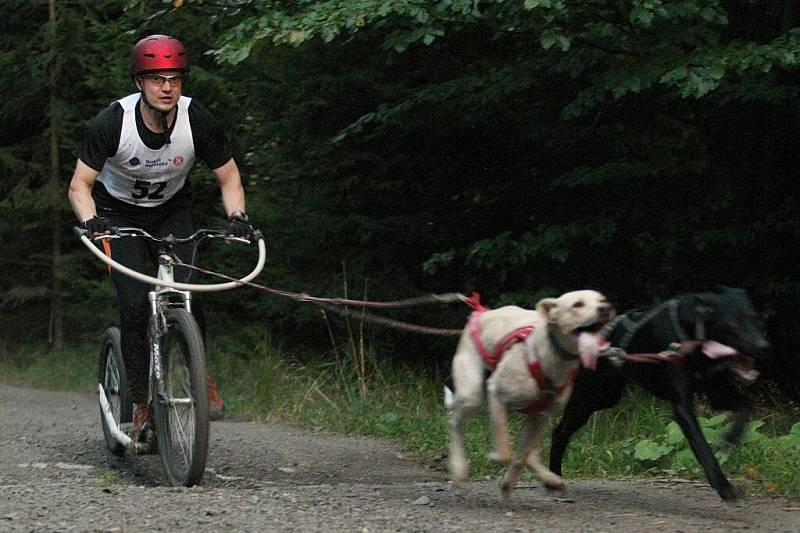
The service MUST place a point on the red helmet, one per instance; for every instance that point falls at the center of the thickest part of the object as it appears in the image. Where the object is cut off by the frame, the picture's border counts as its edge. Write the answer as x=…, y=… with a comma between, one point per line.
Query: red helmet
x=159, y=52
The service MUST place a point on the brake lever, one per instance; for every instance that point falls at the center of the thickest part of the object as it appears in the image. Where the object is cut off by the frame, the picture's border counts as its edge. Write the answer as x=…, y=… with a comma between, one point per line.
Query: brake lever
x=82, y=232
x=237, y=239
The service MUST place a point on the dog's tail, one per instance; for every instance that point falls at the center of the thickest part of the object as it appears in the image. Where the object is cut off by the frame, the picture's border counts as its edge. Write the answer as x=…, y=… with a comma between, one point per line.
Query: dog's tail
x=449, y=399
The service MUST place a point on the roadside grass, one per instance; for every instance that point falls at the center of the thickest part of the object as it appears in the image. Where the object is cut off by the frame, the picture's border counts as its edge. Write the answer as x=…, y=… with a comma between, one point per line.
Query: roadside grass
x=74, y=368
x=353, y=391
x=325, y=392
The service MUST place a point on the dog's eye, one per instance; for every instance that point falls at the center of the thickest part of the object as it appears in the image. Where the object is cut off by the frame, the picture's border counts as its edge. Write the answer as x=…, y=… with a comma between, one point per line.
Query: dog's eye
x=578, y=304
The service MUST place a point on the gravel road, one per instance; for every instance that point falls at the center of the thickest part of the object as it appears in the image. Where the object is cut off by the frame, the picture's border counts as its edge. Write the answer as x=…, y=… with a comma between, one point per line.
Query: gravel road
x=55, y=475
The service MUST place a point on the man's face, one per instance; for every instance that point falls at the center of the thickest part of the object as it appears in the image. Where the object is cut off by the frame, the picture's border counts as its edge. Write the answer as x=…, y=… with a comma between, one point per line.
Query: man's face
x=162, y=89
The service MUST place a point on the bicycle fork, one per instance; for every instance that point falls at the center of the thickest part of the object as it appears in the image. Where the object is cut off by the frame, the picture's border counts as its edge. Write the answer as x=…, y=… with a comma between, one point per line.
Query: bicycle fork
x=158, y=322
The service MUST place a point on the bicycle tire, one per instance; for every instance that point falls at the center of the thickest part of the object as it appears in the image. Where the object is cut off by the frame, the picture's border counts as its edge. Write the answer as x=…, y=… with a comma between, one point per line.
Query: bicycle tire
x=181, y=408
x=114, y=379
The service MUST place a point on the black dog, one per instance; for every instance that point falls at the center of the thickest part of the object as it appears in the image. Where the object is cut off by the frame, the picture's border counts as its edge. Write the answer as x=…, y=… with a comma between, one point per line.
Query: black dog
x=725, y=316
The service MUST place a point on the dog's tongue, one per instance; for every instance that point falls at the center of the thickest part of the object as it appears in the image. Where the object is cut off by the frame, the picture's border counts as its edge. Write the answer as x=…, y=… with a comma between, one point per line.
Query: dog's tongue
x=716, y=350
x=589, y=361
x=589, y=346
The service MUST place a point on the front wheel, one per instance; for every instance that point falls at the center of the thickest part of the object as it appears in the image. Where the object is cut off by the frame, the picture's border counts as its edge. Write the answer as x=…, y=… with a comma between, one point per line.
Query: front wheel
x=181, y=404
x=113, y=378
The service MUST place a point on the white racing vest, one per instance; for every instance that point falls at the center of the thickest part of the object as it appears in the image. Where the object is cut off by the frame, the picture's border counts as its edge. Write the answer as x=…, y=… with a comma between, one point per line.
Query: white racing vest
x=140, y=176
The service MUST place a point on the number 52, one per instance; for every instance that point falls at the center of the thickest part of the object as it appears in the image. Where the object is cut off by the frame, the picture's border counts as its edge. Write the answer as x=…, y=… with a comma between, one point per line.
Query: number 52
x=141, y=189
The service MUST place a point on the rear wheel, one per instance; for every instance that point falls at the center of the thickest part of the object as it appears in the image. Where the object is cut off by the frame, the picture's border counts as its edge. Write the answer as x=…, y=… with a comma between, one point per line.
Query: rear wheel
x=181, y=408
x=114, y=380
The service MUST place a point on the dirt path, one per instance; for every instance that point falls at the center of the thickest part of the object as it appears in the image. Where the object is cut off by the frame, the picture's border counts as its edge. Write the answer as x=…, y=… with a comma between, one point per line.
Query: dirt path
x=55, y=475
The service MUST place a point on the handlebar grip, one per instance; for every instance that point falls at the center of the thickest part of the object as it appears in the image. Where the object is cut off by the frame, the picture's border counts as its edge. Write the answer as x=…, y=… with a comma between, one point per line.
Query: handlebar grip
x=79, y=231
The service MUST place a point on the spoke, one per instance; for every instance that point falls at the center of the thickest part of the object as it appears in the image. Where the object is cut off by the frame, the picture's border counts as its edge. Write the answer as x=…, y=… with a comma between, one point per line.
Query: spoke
x=112, y=384
x=181, y=436
x=181, y=428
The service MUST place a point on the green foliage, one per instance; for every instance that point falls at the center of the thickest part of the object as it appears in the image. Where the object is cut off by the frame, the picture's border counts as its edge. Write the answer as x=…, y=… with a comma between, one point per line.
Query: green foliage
x=49, y=90
x=73, y=368
x=516, y=148
x=761, y=456
x=642, y=36
x=672, y=445
x=323, y=390
x=791, y=441
x=647, y=450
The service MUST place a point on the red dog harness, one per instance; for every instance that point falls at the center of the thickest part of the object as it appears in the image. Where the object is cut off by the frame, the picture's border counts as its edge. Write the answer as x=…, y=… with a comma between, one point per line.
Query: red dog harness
x=548, y=391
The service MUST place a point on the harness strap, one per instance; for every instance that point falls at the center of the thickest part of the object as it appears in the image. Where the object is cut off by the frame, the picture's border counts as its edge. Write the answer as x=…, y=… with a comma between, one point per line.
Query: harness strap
x=676, y=323
x=668, y=356
x=474, y=302
x=633, y=328
x=474, y=326
x=493, y=358
x=548, y=392
x=678, y=350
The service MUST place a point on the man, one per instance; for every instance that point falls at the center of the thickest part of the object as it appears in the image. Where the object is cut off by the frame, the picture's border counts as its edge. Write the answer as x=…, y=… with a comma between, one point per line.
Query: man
x=131, y=171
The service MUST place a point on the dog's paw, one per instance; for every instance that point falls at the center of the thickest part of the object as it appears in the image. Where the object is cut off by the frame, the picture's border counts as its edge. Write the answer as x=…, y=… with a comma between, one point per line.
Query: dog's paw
x=553, y=483
x=459, y=472
x=731, y=493
x=499, y=457
x=510, y=481
x=506, y=487
x=459, y=481
x=555, y=490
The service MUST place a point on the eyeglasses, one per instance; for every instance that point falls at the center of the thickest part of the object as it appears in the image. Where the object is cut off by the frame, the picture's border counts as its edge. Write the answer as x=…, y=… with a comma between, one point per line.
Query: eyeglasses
x=158, y=80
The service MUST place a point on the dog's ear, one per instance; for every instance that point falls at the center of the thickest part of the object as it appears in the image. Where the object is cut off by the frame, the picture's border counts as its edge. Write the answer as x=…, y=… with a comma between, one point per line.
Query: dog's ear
x=545, y=305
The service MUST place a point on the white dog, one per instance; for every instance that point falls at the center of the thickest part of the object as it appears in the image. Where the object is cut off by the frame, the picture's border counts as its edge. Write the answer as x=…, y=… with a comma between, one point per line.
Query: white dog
x=535, y=355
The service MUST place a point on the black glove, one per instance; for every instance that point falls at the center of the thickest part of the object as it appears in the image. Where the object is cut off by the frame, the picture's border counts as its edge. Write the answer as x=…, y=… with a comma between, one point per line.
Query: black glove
x=97, y=225
x=239, y=225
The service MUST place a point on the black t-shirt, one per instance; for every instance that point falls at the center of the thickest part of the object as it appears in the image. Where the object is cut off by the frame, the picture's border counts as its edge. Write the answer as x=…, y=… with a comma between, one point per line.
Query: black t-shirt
x=102, y=140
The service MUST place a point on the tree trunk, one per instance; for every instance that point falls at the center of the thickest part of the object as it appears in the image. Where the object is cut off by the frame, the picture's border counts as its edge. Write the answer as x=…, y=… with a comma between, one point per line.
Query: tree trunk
x=57, y=298
x=786, y=11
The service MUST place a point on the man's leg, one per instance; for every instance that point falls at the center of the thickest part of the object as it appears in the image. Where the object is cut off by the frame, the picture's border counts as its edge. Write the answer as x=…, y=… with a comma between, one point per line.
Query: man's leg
x=134, y=313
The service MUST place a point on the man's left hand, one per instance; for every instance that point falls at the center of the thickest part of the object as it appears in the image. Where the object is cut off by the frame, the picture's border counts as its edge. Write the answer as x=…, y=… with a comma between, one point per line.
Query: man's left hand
x=239, y=225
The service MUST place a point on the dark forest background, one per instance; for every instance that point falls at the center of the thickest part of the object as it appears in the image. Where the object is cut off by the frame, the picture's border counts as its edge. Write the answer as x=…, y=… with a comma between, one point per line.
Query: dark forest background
x=396, y=148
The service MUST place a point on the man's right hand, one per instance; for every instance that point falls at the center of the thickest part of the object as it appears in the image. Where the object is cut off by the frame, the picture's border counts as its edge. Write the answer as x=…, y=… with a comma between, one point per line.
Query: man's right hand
x=97, y=225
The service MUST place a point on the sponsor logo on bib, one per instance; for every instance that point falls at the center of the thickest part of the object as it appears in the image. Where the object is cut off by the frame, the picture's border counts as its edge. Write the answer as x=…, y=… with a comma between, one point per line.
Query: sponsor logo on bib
x=152, y=163
x=177, y=160
x=134, y=161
